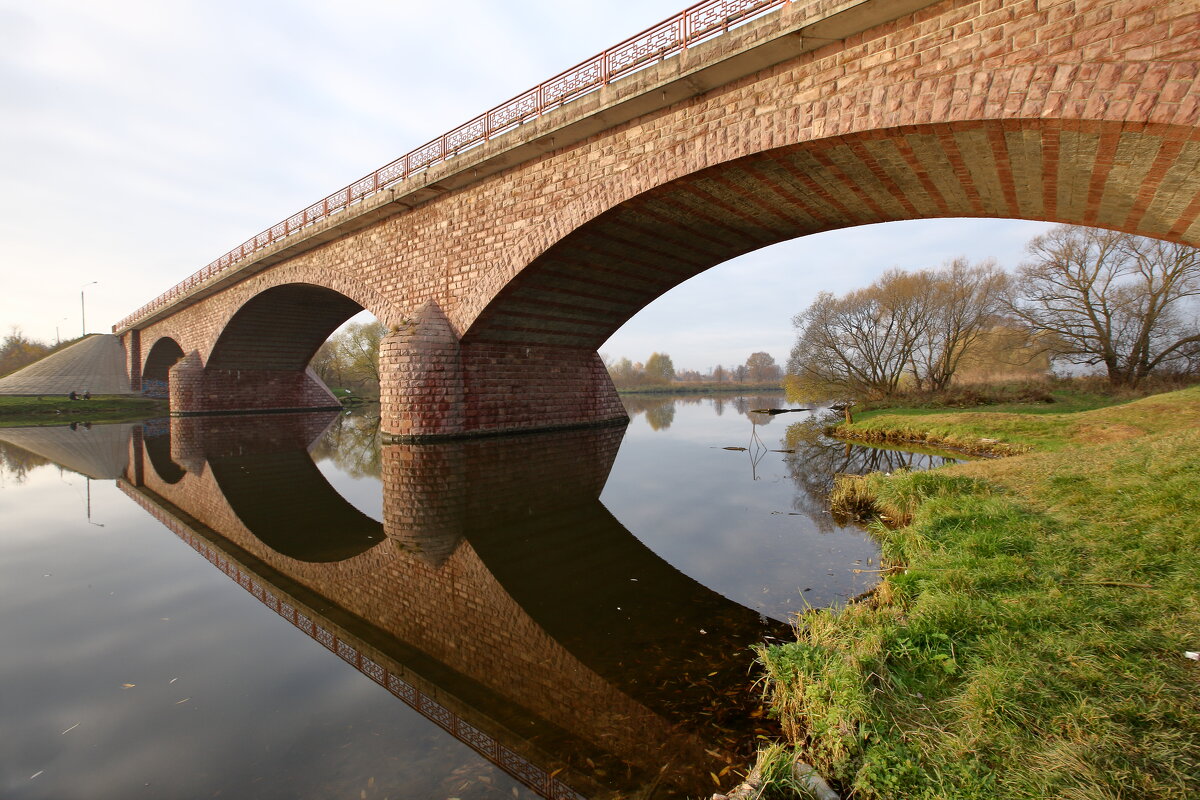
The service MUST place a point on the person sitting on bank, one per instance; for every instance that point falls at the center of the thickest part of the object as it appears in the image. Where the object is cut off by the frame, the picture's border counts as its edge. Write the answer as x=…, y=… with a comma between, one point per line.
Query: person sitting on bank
x=73, y=395
x=87, y=395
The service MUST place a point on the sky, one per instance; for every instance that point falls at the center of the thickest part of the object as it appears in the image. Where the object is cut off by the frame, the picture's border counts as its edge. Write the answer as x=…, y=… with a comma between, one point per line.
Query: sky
x=141, y=139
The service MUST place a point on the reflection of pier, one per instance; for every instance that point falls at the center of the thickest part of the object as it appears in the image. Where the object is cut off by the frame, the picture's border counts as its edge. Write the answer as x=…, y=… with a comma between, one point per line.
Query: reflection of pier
x=498, y=597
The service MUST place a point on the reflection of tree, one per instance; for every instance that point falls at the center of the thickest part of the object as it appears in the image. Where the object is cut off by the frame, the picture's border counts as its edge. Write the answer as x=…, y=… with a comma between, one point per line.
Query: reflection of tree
x=16, y=462
x=660, y=417
x=818, y=458
x=646, y=403
x=352, y=443
x=745, y=404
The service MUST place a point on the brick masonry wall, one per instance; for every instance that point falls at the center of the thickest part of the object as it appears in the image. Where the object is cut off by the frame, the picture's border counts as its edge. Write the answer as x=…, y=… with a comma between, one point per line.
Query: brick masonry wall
x=1079, y=111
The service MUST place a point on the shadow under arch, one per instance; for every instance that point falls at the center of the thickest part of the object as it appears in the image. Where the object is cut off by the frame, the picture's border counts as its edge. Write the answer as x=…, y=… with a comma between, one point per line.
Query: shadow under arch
x=156, y=373
x=281, y=328
x=581, y=289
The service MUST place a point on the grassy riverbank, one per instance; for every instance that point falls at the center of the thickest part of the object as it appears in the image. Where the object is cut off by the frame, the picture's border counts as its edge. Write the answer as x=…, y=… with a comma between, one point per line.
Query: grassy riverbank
x=1028, y=637
x=21, y=411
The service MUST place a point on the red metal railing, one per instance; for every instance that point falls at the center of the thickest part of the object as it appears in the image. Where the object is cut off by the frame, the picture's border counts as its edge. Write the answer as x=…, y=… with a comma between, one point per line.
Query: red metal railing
x=700, y=22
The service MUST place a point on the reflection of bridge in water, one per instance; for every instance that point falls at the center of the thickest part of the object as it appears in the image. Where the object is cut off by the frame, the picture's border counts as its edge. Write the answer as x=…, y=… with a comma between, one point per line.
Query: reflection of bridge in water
x=499, y=598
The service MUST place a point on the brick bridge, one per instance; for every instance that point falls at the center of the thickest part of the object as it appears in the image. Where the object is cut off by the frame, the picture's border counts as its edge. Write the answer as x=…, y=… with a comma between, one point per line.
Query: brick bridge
x=502, y=254
x=520, y=615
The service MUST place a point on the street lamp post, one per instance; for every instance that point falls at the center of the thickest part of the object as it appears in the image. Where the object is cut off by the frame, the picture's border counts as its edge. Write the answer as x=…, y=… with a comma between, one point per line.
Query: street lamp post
x=82, y=310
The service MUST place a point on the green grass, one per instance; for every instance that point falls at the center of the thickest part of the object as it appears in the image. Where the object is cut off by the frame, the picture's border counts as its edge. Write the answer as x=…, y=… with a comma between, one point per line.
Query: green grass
x=1066, y=401
x=1006, y=433
x=1028, y=638
x=21, y=411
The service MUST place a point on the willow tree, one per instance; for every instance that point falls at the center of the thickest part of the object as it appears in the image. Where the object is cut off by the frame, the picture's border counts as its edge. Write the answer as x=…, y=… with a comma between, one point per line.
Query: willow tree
x=351, y=356
x=659, y=368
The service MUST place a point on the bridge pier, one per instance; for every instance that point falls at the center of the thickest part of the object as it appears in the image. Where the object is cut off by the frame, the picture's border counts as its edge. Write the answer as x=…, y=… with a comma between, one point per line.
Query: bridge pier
x=434, y=385
x=196, y=389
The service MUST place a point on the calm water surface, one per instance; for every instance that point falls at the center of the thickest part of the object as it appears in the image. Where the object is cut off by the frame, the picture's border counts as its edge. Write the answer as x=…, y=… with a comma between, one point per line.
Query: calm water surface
x=276, y=607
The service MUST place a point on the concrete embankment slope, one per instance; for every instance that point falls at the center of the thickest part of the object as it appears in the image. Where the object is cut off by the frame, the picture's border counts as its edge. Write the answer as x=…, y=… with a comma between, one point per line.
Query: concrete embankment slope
x=95, y=364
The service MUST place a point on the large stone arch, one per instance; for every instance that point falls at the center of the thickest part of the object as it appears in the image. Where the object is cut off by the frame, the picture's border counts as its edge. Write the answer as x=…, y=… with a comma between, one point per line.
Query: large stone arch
x=581, y=289
x=526, y=359
x=280, y=328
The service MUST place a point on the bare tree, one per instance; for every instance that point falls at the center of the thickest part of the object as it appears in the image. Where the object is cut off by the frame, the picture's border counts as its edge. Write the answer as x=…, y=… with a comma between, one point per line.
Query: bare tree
x=863, y=343
x=965, y=303
x=1112, y=299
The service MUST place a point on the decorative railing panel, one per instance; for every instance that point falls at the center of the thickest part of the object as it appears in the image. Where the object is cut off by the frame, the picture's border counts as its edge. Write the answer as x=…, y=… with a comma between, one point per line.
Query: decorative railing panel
x=668, y=38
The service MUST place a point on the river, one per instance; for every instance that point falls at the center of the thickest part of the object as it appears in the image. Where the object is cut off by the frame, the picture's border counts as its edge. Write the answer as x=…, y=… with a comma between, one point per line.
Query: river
x=277, y=607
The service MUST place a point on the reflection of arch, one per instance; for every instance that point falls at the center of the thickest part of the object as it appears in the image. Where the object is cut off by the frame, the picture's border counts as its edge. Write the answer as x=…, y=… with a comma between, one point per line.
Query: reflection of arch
x=512, y=624
x=592, y=585
x=281, y=328
x=529, y=507
x=158, y=448
x=284, y=500
x=165, y=353
x=594, y=278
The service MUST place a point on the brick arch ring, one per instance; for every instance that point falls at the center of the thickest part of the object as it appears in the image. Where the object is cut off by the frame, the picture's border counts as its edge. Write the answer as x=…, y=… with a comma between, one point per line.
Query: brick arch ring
x=527, y=359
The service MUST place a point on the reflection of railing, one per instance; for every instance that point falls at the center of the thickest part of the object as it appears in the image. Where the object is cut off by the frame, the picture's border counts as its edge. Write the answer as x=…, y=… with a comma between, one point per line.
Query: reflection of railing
x=525, y=771
x=689, y=27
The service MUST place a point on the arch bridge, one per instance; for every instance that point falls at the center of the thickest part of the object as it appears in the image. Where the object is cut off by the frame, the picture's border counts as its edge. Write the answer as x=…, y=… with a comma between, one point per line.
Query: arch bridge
x=503, y=253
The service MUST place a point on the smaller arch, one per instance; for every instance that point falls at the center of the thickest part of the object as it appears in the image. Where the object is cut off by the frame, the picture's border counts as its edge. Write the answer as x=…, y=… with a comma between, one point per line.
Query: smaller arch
x=156, y=373
x=281, y=328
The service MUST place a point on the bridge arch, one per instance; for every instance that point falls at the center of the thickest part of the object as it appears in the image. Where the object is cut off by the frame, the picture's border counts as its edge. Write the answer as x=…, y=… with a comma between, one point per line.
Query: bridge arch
x=281, y=328
x=581, y=288
x=164, y=354
x=260, y=357
x=526, y=355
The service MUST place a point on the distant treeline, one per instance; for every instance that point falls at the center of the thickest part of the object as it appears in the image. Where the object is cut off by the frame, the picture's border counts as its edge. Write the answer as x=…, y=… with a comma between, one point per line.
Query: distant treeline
x=759, y=371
